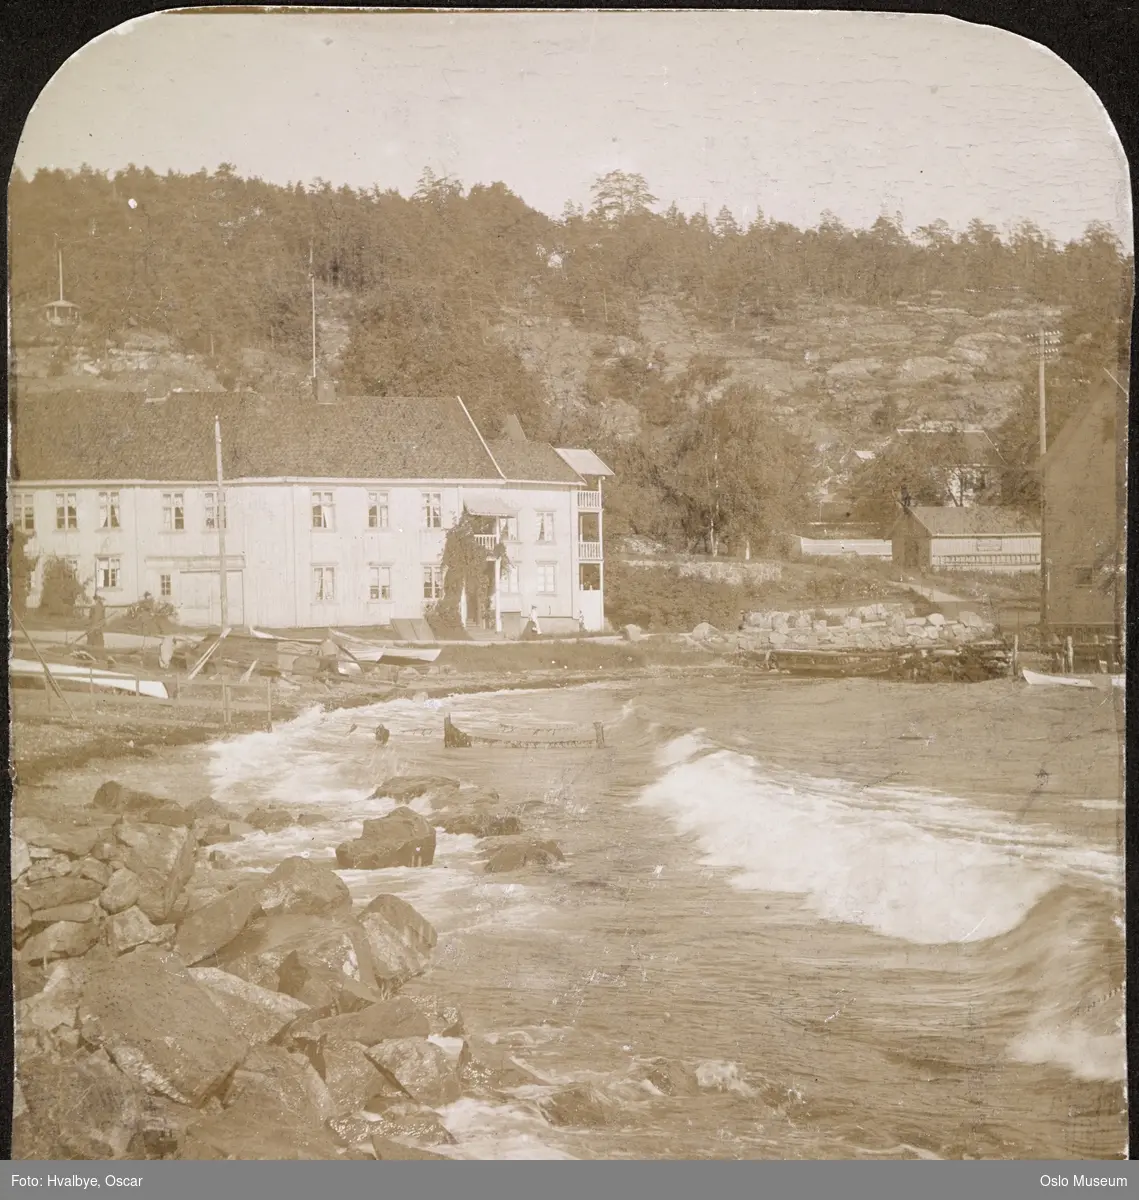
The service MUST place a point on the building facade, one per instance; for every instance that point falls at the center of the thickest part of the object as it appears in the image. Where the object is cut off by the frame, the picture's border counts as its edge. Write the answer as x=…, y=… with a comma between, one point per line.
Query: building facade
x=303, y=548
x=951, y=538
x=1084, y=505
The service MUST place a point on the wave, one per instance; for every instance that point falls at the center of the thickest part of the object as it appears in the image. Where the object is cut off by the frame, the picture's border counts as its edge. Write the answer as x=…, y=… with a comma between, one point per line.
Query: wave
x=914, y=866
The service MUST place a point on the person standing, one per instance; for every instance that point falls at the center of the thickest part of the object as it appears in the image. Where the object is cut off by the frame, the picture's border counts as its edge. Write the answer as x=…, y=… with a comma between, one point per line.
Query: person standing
x=96, y=619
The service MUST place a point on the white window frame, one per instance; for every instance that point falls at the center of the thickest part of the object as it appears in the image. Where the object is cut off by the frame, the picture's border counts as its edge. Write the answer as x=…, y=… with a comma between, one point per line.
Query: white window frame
x=24, y=511
x=592, y=567
x=211, y=510
x=165, y=586
x=379, y=582
x=508, y=529
x=110, y=510
x=546, y=527
x=324, y=583
x=377, y=510
x=547, y=570
x=108, y=573
x=432, y=508
x=174, y=512
x=432, y=582
x=508, y=579
x=323, y=509
x=66, y=511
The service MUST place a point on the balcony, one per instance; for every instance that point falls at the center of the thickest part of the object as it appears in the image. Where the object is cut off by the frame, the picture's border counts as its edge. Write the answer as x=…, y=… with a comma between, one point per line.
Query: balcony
x=589, y=501
x=487, y=541
x=589, y=552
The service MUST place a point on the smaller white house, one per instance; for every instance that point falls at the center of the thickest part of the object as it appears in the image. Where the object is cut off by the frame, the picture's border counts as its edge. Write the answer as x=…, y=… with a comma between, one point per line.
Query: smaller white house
x=951, y=538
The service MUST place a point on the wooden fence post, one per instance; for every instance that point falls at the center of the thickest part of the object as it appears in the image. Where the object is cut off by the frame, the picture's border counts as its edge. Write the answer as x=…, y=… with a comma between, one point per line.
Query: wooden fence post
x=1070, y=655
x=1015, y=655
x=268, y=704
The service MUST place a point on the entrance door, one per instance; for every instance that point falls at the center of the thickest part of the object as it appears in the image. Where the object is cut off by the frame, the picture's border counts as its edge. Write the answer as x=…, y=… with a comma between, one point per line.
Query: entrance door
x=199, y=598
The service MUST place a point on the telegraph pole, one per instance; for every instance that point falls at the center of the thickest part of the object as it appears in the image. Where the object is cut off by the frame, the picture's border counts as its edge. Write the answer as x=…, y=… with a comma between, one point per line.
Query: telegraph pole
x=221, y=521
x=1047, y=346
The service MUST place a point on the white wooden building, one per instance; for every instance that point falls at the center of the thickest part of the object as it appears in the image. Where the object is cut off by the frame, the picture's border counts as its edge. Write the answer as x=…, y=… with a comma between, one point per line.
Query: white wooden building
x=335, y=513
x=952, y=538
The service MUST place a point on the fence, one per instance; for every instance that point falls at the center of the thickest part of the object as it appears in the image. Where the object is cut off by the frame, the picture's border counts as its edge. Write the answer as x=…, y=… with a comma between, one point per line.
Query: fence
x=834, y=547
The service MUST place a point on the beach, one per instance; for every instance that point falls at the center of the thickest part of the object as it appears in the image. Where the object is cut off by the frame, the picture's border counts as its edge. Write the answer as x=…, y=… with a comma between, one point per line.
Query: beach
x=795, y=919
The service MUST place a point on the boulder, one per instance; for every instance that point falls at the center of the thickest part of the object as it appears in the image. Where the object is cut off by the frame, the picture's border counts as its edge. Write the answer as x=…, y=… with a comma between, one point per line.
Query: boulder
x=122, y=891
x=579, y=1105
x=301, y=887
x=490, y=1066
x=480, y=824
x=410, y=1122
x=318, y=986
x=40, y=1018
x=251, y=1129
x=256, y=1013
x=21, y=858
x=212, y=832
x=349, y=1075
x=779, y=637
x=56, y=866
x=283, y=1082
x=632, y=633
x=162, y=856
x=971, y=621
x=258, y=952
x=91, y=1108
x=112, y=797
x=401, y=839
x=400, y=940
x=132, y=928
x=387, y=1150
x=444, y=1017
x=403, y=788
x=160, y=1026
x=935, y=619
x=90, y=868
x=515, y=855
x=51, y=893
x=213, y=926
x=75, y=841
x=270, y=820
x=21, y=919
x=386, y=1020
x=86, y=911
x=672, y=1078
x=168, y=813
x=64, y=939
x=420, y=1067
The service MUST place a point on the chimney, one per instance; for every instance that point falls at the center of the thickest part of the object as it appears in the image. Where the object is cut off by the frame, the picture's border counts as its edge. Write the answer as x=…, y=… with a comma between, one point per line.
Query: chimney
x=512, y=430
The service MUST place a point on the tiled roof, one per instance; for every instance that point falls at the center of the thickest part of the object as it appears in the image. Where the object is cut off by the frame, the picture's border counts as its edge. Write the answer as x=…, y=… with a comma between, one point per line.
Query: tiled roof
x=532, y=462
x=979, y=521
x=115, y=436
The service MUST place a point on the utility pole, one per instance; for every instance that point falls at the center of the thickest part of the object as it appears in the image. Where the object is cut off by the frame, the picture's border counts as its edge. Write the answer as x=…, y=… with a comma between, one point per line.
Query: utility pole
x=60, y=252
x=312, y=283
x=221, y=521
x=1048, y=346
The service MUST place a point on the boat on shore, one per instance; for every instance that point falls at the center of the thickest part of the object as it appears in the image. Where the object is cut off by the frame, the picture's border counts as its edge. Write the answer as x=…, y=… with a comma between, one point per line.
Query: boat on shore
x=88, y=677
x=1039, y=679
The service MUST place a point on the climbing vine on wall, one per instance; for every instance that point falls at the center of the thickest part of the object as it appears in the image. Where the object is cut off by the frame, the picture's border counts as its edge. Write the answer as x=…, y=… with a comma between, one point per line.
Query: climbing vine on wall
x=464, y=569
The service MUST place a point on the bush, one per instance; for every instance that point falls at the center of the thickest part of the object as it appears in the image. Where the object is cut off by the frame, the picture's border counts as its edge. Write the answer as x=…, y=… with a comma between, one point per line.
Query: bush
x=23, y=566
x=62, y=588
x=663, y=600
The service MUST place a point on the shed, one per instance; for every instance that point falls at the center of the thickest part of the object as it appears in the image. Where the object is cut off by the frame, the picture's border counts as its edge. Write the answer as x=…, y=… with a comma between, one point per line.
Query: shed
x=952, y=538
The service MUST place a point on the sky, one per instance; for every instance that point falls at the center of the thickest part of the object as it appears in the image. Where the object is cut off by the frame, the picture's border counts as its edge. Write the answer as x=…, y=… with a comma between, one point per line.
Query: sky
x=795, y=113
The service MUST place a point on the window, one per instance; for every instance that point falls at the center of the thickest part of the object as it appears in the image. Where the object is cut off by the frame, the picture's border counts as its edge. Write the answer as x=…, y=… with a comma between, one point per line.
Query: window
x=547, y=578
x=322, y=510
x=211, y=499
x=107, y=574
x=173, y=510
x=545, y=526
x=24, y=512
x=166, y=586
x=379, y=583
x=66, y=511
x=508, y=529
x=432, y=510
x=509, y=579
x=589, y=577
x=988, y=546
x=324, y=584
x=108, y=510
x=377, y=510
x=432, y=583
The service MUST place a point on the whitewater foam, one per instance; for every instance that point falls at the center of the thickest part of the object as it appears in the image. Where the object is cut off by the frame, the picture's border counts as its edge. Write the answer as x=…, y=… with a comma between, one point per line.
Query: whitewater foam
x=910, y=865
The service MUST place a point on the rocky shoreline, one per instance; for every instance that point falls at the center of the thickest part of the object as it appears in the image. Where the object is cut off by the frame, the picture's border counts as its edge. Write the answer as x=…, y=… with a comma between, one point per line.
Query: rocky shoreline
x=172, y=1006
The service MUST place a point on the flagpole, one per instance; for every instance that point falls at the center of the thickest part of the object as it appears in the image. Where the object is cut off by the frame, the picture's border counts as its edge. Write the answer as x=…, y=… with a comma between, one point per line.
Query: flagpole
x=221, y=523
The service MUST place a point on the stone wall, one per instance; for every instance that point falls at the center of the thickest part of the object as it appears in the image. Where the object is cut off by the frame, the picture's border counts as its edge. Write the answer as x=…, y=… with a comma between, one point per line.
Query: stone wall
x=868, y=627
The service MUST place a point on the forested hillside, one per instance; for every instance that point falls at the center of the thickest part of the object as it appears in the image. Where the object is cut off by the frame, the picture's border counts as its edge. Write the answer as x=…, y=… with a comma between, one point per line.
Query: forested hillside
x=741, y=357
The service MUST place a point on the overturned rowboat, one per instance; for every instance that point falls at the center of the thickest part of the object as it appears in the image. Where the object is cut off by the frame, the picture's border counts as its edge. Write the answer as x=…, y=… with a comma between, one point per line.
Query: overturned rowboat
x=90, y=677
x=456, y=739
x=1038, y=679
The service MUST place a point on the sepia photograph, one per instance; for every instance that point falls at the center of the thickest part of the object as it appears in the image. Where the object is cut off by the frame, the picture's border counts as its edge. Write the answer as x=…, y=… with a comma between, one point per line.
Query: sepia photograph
x=567, y=582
